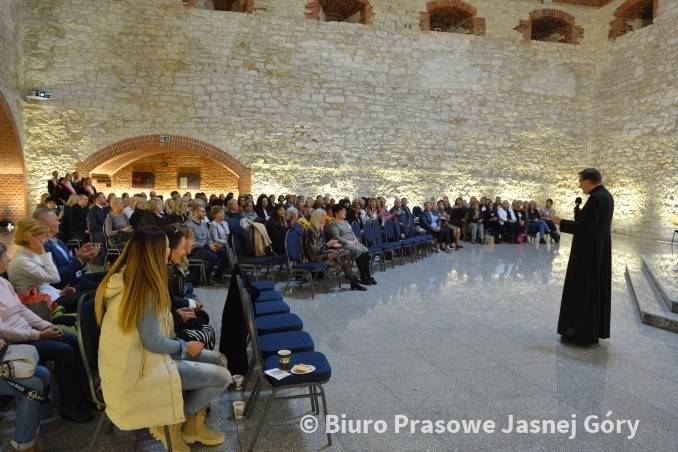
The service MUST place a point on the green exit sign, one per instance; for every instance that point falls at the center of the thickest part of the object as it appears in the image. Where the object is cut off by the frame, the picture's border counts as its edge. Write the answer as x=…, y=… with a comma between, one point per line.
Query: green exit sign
x=165, y=138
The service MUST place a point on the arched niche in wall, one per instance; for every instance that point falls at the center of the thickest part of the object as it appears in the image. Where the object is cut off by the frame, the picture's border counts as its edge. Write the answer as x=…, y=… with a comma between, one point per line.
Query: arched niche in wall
x=13, y=196
x=355, y=11
x=551, y=25
x=452, y=16
x=239, y=6
x=168, y=157
x=632, y=15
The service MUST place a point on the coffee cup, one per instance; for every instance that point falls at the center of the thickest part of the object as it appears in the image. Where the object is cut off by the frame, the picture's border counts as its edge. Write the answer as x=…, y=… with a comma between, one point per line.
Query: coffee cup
x=238, y=381
x=238, y=409
x=284, y=358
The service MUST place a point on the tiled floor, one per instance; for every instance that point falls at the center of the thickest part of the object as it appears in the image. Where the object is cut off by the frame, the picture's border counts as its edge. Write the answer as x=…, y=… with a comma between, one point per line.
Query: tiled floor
x=469, y=335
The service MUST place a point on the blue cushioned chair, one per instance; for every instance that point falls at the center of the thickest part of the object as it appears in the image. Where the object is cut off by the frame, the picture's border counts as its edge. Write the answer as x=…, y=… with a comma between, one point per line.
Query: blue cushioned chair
x=372, y=248
x=249, y=264
x=263, y=286
x=312, y=381
x=391, y=239
x=298, y=268
x=388, y=248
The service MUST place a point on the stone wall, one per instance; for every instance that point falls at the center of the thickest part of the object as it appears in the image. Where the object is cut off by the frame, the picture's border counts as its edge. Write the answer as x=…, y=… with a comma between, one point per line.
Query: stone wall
x=340, y=108
x=635, y=135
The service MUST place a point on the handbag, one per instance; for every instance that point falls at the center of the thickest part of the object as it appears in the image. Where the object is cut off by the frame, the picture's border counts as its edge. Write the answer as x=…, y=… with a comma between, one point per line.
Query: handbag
x=20, y=361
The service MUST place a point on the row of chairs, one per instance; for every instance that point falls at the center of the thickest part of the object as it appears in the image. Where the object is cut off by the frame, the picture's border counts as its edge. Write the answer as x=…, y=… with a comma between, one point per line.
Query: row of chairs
x=271, y=327
x=270, y=331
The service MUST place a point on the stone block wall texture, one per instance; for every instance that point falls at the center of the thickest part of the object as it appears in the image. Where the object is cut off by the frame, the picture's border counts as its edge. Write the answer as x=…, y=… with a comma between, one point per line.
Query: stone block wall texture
x=346, y=109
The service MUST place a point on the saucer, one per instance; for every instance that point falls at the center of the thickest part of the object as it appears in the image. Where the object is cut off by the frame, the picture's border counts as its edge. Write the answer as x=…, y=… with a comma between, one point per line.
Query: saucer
x=305, y=369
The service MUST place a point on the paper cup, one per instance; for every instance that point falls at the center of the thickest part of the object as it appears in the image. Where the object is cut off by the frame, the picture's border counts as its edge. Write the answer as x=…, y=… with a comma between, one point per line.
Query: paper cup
x=238, y=381
x=238, y=409
x=284, y=358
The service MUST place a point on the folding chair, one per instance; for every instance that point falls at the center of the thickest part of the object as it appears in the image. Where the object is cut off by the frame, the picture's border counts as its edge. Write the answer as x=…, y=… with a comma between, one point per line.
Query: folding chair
x=298, y=268
x=313, y=381
x=88, y=340
x=391, y=239
x=251, y=265
x=372, y=248
x=391, y=248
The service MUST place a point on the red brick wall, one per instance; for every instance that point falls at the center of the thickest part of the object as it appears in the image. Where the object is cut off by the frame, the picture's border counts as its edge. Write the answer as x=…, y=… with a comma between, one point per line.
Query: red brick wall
x=214, y=177
x=13, y=198
x=180, y=152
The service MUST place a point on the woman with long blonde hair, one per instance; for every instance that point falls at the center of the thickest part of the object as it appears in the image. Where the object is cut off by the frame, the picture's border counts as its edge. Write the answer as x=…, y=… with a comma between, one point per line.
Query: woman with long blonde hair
x=143, y=368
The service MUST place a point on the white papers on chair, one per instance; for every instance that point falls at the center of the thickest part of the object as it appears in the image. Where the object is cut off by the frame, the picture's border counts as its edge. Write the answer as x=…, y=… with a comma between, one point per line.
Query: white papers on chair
x=277, y=373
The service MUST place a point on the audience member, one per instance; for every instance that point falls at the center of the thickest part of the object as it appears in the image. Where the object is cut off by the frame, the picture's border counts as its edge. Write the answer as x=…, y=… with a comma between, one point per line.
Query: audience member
x=96, y=217
x=154, y=215
x=341, y=230
x=213, y=254
x=191, y=322
x=20, y=325
x=143, y=369
x=70, y=264
x=329, y=252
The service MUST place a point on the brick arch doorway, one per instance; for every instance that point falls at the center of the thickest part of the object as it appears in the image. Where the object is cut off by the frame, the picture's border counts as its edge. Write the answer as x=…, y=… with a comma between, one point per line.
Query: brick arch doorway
x=13, y=195
x=149, y=153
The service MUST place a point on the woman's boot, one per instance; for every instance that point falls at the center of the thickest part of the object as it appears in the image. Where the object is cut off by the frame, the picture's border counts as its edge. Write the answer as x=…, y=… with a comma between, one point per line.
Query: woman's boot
x=176, y=437
x=195, y=430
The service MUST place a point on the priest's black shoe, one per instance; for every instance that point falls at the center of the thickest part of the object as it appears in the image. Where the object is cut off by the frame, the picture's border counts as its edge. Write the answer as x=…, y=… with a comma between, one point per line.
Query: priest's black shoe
x=366, y=282
x=579, y=342
x=373, y=281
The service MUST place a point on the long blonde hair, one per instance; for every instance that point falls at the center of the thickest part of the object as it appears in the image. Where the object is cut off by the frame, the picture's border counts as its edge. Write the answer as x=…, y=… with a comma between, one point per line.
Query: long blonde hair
x=143, y=264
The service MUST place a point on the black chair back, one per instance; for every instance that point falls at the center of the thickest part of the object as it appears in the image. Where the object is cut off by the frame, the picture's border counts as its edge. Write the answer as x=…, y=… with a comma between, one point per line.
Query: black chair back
x=88, y=339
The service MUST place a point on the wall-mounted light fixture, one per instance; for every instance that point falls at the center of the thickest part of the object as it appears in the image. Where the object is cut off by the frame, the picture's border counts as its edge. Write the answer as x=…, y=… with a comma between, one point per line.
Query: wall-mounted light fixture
x=37, y=94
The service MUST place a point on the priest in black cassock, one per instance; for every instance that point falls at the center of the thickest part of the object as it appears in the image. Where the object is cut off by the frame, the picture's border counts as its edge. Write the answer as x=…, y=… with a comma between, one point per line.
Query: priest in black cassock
x=587, y=292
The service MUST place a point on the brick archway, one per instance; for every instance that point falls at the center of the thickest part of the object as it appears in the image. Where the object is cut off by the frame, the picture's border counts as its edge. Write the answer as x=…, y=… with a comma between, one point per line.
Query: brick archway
x=545, y=22
x=632, y=15
x=339, y=10
x=109, y=160
x=451, y=14
x=13, y=196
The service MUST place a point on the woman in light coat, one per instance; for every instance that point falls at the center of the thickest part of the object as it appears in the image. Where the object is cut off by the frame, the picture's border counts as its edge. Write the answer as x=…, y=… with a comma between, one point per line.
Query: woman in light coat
x=143, y=368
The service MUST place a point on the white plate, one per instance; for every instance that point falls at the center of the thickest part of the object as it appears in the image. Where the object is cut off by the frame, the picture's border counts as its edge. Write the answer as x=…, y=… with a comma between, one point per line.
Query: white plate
x=312, y=368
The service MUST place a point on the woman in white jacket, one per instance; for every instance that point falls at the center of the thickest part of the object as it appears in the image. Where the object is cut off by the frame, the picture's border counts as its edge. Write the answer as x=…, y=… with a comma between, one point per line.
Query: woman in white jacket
x=143, y=368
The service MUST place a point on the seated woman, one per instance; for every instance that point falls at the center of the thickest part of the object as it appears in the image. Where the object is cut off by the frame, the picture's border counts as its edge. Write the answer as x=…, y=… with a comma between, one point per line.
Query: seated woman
x=154, y=215
x=329, y=252
x=263, y=209
x=491, y=221
x=249, y=213
x=116, y=227
x=18, y=324
x=143, y=368
x=168, y=207
x=277, y=228
x=191, y=322
x=535, y=222
x=446, y=222
x=219, y=229
x=179, y=214
x=232, y=210
x=429, y=220
x=474, y=220
x=32, y=266
x=139, y=212
x=547, y=213
x=341, y=230
x=292, y=215
x=28, y=410
x=75, y=219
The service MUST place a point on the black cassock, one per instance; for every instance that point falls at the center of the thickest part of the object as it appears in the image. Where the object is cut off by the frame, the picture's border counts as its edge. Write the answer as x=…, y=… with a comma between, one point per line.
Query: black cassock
x=587, y=292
